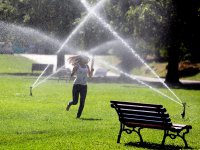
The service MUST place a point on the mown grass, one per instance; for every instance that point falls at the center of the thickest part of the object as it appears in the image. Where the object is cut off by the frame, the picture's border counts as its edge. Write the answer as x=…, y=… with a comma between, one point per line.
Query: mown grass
x=41, y=122
x=14, y=64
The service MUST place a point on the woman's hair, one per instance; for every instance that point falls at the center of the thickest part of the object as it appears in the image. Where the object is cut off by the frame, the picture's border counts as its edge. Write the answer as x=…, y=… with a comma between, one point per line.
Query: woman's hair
x=74, y=60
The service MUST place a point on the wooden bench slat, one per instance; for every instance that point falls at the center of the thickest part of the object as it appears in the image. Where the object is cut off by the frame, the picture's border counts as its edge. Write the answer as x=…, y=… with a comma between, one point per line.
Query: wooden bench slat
x=132, y=103
x=148, y=116
x=150, y=113
x=145, y=117
x=180, y=127
x=153, y=126
x=136, y=120
x=147, y=108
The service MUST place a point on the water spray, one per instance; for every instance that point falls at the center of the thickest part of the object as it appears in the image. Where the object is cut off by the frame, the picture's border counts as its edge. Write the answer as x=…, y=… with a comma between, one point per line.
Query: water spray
x=31, y=91
x=183, y=113
x=115, y=34
x=139, y=81
x=97, y=6
x=92, y=63
x=42, y=81
x=143, y=83
x=40, y=75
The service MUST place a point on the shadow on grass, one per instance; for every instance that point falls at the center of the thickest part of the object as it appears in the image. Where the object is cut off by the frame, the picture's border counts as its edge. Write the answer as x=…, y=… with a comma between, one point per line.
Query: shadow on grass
x=154, y=146
x=91, y=119
x=190, y=85
x=21, y=74
x=187, y=86
x=33, y=132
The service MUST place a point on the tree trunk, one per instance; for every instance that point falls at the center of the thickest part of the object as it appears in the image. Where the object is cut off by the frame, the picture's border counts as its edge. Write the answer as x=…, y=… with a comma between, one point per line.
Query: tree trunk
x=172, y=68
x=174, y=41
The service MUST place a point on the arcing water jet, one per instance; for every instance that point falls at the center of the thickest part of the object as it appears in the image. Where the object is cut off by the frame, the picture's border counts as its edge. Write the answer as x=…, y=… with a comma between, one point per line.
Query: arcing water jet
x=115, y=34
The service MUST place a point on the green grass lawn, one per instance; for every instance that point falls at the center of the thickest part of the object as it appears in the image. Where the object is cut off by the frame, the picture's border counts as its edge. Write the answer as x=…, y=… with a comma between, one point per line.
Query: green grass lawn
x=14, y=64
x=41, y=122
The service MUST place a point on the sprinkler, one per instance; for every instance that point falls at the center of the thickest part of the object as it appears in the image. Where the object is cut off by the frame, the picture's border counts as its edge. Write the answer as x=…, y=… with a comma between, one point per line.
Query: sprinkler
x=31, y=91
x=183, y=113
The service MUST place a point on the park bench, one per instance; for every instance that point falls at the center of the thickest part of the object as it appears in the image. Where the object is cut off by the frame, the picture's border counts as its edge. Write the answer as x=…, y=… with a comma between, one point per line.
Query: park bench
x=135, y=116
x=42, y=67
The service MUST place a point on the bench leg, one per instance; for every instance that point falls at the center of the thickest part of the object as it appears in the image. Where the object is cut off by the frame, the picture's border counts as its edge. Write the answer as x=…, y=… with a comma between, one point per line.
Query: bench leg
x=183, y=137
x=139, y=134
x=173, y=136
x=141, y=140
x=120, y=132
x=186, y=145
x=164, y=137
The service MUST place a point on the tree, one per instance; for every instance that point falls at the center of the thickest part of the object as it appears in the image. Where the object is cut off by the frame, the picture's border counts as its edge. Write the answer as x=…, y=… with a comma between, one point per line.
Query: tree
x=170, y=25
x=143, y=23
x=56, y=17
x=183, y=31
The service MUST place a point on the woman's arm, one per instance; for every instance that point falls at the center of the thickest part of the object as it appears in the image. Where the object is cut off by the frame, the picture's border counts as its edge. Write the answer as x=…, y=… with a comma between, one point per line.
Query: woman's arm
x=74, y=70
x=90, y=71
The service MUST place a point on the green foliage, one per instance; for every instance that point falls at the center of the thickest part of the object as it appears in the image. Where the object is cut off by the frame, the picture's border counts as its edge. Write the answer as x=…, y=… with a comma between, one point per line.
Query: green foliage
x=145, y=20
x=54, y=16
x=41, y=122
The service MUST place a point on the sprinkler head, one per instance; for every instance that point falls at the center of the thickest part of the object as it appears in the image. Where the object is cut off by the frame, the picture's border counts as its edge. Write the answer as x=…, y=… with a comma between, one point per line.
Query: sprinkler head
x=183, y=113
x=31, y=91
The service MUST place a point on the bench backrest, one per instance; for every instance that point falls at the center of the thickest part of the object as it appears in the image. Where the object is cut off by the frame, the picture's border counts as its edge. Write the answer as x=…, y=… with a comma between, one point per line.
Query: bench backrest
x=41, y=67
x=140, y=113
